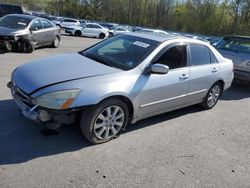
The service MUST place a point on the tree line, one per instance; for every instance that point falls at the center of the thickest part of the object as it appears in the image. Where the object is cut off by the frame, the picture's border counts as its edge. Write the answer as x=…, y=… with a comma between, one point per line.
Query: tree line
x=210, y=17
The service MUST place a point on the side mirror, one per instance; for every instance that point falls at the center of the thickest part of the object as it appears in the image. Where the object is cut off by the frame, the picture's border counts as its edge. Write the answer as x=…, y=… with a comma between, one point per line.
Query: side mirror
x=159, y=69
x=33, y=29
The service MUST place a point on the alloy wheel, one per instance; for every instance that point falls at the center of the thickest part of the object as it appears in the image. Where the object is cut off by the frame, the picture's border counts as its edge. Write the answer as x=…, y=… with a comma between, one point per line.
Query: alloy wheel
x=56, y=42
x=213, y=96
x=109, y=122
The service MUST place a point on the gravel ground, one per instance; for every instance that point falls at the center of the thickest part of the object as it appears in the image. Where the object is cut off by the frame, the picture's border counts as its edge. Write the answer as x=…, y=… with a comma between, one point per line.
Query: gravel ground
x=185, y=148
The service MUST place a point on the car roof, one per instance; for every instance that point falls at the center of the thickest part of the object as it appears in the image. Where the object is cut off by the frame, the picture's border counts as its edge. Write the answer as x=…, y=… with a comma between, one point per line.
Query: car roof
x=238, y=36
x=25, y=16
x=154, y=36
x=163, y=37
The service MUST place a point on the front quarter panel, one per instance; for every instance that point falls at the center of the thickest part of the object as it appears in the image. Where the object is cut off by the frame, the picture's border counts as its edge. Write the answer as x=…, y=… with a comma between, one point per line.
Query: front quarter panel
x=98, y=88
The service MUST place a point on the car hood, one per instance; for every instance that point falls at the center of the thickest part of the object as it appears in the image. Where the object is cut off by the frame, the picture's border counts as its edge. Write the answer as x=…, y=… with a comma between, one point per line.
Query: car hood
x=32, y=76
x=5, y=31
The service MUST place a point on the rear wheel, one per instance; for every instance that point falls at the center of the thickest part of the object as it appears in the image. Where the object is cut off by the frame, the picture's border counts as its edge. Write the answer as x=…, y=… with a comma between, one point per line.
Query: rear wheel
x=78, y=33
x=104, y=121
x=56, y=42
x=212, y=96
x=102, y=36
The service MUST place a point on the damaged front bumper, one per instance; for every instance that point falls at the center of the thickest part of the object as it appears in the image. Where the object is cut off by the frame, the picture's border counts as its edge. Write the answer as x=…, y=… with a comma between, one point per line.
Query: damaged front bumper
x=37, y=113
x=7, y=43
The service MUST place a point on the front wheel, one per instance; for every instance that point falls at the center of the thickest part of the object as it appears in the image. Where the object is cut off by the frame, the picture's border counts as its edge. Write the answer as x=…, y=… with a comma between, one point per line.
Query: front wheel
x=212, y=96
x=104, y=121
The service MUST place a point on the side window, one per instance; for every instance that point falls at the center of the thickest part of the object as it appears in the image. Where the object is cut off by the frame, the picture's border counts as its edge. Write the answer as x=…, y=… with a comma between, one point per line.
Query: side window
x=46, y=24
x=200, y=54
x=36, y=25
x=175, y=57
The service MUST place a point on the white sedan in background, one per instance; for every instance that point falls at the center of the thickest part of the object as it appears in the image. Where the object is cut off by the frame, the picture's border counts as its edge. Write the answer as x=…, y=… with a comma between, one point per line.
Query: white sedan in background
x=89, y=30
x=117, y=31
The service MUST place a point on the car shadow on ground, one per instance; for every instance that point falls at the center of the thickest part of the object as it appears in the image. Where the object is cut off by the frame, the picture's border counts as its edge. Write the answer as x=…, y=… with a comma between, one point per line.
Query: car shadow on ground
x=21, y=139
x=238, y=91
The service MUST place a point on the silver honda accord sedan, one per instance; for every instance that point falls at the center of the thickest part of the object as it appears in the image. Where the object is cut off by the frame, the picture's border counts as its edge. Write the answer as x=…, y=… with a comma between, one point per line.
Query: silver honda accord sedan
x=120, y=80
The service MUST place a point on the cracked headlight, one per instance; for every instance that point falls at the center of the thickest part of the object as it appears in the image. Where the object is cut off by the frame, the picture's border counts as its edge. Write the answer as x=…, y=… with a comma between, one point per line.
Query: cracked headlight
x=58, y=100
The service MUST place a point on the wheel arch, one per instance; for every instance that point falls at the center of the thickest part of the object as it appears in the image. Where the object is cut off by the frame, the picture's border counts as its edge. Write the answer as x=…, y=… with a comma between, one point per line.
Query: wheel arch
x=58, y=36
x=222, y=84
x=126, y=100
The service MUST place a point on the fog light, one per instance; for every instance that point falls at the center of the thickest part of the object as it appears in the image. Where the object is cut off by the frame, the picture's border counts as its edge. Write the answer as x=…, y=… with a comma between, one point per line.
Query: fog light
x=44, y=116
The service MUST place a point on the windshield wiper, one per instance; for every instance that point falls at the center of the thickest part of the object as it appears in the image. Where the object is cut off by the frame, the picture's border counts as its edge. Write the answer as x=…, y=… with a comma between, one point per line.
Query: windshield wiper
x=97, y=58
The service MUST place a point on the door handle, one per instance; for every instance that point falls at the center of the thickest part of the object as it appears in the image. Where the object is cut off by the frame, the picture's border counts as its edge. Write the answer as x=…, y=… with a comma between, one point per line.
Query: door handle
x=214, y=70
x=184, y=76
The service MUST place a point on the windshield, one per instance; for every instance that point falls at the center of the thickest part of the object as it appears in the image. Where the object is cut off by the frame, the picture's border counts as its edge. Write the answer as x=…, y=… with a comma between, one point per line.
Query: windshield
x=14, y=22
x=122, y=51
x=235, y=44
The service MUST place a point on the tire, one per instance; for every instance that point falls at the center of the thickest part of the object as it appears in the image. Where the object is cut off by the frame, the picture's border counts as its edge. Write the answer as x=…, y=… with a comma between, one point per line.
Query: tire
x=212, y=96
x=111, y=34
x=5, y=46
x=26, y=46
x=78, y=33
x=97, y=126
x=102, y=36
x=56, y=42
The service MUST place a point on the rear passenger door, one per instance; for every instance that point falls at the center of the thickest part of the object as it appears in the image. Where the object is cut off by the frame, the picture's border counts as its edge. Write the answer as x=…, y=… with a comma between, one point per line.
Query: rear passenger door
x=48, y=31
x=204, y=69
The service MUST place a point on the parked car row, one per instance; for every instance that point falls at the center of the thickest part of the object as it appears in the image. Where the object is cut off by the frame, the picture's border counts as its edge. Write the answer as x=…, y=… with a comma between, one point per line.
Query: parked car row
x=24, y=33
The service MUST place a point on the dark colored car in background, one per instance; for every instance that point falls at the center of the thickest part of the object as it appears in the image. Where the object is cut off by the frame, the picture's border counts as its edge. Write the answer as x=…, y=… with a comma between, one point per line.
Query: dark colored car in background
x=237, y=48
x=10, y=9
x=24, y=33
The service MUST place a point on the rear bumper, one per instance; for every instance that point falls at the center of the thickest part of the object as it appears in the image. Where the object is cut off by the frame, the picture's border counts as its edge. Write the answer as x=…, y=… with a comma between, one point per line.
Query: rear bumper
x=242, y=75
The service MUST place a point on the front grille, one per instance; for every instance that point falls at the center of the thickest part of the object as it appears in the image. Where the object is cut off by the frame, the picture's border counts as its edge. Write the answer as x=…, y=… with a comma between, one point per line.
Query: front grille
x=20, y=95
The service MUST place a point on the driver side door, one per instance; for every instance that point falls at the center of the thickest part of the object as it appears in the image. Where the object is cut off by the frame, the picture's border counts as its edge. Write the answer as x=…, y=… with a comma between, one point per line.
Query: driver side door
x=164, y=92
